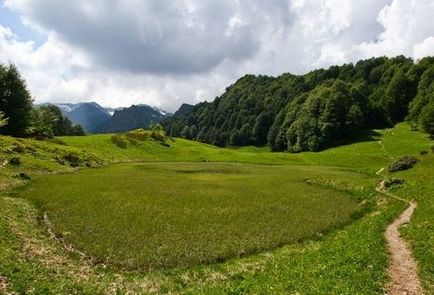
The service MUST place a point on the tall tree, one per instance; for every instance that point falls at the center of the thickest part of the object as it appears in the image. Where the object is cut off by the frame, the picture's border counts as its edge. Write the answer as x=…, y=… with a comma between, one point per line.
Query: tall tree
x=15, y=101
x=62, y=125
x=399, y=94
x=43, y=122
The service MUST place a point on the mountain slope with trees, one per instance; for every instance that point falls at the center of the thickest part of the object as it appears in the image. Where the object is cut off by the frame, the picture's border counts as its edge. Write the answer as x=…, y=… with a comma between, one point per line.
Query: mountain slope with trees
x=136, y=116
x=90, y=115
x=315, y=110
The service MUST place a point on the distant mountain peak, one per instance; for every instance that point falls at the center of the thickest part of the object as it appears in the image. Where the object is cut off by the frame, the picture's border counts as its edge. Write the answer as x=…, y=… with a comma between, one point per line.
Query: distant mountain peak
x=96, y=119
x=136, y=116
x=183, y=110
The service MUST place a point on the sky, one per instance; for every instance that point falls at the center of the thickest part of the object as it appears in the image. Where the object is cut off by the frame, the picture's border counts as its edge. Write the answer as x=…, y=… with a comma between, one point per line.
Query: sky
x=165, y=53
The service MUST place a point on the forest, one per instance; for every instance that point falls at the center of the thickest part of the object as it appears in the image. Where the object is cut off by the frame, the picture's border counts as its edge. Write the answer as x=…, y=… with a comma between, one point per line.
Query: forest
x=317, y=110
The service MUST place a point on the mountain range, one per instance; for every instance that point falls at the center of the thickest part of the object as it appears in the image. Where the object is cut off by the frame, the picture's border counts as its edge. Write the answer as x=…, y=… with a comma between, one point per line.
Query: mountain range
x=97, y=119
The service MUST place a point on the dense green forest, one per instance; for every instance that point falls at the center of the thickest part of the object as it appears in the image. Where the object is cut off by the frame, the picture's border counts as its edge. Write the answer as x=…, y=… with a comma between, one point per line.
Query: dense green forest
x=18, y=116
x=315, y=110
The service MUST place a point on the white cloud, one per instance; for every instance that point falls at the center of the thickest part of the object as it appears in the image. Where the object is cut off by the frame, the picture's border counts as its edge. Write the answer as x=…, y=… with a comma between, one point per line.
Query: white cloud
x=424, y=48
x=168, y=52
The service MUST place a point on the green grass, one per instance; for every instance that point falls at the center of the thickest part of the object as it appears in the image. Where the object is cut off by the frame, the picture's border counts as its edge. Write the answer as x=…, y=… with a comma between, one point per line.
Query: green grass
x=176, y=214
x=337, y=253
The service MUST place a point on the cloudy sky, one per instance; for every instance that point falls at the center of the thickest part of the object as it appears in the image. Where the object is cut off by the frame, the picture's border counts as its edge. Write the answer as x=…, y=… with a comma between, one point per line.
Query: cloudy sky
x=165, y=52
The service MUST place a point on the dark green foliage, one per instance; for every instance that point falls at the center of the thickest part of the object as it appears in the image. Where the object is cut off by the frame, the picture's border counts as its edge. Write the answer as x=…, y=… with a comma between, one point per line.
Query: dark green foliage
x=421, y=115
x=79, y=159
x=3, y=119
x=426, y=119
x=402, y=163
x=23, y=176
x=262, y=127
x=61, y=125
x=387, y=183
x=186, y=133
x=15, y=101
x=78, y=130
x=42, y=123
x=15, y=161
x=399, y=94
x=330, y=113
x=313, y=111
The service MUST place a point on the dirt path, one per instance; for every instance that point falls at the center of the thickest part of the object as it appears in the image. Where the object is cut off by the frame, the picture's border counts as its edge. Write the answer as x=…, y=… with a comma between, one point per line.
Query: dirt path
x=402, y=270
x=3, y=286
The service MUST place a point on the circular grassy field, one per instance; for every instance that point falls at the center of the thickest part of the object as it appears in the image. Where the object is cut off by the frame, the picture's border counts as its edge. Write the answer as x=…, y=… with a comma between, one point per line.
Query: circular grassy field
x=162, y=215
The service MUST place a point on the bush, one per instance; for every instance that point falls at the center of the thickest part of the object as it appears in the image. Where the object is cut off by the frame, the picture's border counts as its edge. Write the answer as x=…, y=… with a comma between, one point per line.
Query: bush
x=402, y=163
x=72, y=159
x=139, y=134
x=158, y=135
x=391, y=182
x=23, y=176
x=15, y=161
x=423, y=153
x=119, y=141
x=18, y=148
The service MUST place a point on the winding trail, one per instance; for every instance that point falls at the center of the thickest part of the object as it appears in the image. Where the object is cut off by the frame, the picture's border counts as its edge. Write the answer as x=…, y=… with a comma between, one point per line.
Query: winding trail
x=402, y=270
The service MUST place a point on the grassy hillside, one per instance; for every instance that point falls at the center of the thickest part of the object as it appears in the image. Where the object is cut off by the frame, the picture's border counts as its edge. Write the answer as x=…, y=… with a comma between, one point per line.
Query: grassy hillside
x=343, y=257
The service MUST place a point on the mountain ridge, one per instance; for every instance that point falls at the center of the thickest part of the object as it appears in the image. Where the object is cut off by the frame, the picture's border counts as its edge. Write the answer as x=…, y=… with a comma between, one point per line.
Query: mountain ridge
x=95, y=118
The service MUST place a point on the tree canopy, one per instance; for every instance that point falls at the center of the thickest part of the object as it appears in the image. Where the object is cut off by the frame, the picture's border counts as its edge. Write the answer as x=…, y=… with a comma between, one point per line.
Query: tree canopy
x=315, y=110
x=15, y=101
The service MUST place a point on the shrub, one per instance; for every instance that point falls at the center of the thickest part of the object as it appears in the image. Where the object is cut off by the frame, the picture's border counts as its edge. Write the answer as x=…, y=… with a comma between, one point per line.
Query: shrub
x=15, y=161
x=23, y=176
x=139, y=134
x=18, y=148
x=119, y=141
x=72, y=159
x=423, y=153
x=402, y=163
x=143, y=135
x=158, y=135
x=133, y=141
x=391, y=182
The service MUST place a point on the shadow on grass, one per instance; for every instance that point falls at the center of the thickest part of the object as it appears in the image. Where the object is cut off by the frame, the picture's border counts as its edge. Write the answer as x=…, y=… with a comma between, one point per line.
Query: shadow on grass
x=364, y=136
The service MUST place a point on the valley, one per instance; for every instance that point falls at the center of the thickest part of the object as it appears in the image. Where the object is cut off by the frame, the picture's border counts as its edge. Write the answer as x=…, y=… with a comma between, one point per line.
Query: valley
x=157, y=218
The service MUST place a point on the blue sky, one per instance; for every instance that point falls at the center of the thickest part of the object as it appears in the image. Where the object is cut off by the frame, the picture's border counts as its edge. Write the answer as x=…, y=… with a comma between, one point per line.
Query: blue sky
x=10, y=19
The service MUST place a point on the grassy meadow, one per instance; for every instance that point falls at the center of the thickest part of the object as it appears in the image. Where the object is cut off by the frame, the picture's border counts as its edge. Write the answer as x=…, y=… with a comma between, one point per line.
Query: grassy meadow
x=186, y=217
x=158, y=215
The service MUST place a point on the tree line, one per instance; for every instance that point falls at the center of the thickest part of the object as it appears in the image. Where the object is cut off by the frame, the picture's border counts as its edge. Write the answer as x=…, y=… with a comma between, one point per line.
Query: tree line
x=18, y=116
x=314, y=111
